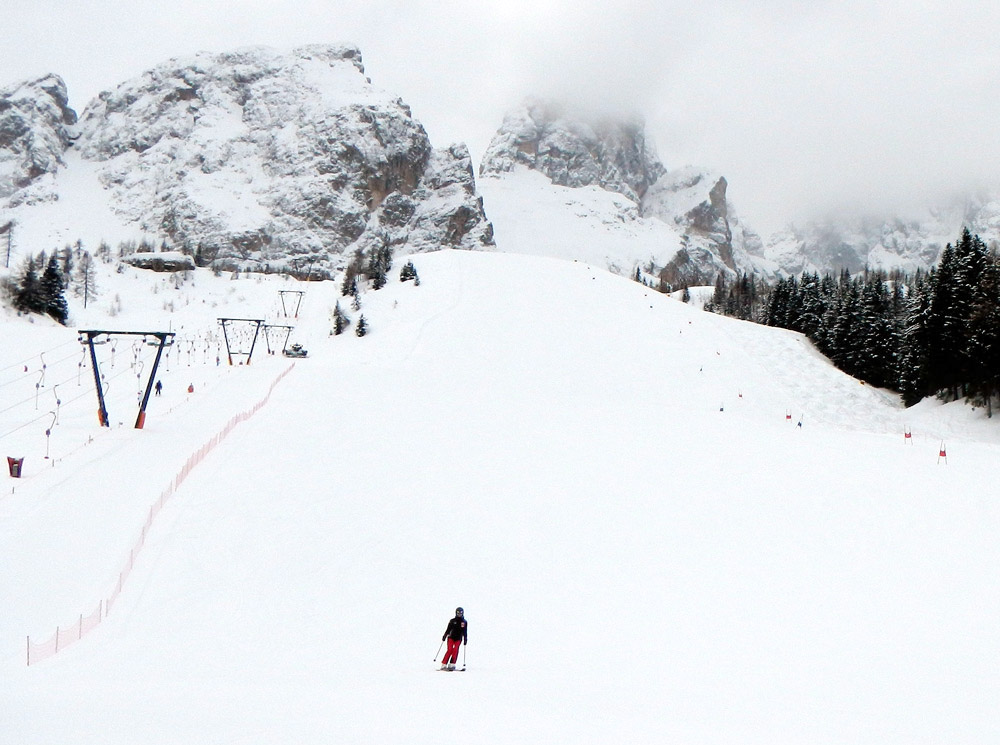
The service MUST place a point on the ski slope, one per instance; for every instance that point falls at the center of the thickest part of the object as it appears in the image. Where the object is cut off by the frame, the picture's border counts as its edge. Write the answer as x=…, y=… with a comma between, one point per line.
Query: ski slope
x=646, y=548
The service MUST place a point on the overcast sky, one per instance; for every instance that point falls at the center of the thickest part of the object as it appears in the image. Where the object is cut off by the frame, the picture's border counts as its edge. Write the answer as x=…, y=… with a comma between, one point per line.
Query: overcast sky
x=805, y=107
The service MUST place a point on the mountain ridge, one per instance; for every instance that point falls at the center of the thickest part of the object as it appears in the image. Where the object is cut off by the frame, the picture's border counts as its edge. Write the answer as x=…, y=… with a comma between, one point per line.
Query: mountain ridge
x=294, y=161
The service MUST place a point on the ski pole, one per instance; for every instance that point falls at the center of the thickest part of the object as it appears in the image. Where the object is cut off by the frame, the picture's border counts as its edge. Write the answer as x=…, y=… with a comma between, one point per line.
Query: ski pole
x=439, y=651
x=464, y=647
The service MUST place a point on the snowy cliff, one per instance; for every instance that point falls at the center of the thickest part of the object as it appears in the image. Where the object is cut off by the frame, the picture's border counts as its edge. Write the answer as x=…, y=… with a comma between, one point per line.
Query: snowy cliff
x=609, y=153
x=258, y=158
x=678, y=227
x=889, y=243
x=35, y=121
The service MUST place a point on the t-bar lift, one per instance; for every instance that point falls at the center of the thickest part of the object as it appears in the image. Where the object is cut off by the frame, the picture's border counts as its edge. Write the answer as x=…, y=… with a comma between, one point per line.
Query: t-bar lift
x=90, y=337
x=298, y=303
x=257, y=322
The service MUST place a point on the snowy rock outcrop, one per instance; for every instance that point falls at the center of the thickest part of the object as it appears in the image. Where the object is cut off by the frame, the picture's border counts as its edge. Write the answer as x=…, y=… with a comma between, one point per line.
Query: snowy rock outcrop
x=714, y=239
x=887, y=243
x=35, y=122
x=261, y=159
x=609, y=153
x=687, y=227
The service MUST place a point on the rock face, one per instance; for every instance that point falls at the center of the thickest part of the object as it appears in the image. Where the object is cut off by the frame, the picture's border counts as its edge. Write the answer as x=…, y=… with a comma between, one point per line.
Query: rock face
x=887, y=243
x=260, y=159
x=35, y=122
x=609, y=153
x=615, y=156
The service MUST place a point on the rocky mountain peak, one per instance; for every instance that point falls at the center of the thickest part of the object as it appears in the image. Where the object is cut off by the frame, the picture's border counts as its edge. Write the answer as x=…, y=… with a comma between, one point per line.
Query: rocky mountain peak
x=259, y=158
x=575, y=149
x=613, y=154
x=35, y=121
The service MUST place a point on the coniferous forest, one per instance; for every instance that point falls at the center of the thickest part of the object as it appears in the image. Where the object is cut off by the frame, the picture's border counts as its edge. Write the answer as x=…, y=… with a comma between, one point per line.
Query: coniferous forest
x=925, y=334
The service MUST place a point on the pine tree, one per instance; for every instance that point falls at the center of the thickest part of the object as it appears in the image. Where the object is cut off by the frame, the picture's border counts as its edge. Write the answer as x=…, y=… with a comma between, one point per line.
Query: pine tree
x=915, y=340
x=972, y=258
x=52, y=288
x=781, y=300
x=879, y=342
x=29, y=297
x=984, y=334
x=362, y=327
x=340, y=320
x=810, y=306
x=844, y=335
x=948, y=363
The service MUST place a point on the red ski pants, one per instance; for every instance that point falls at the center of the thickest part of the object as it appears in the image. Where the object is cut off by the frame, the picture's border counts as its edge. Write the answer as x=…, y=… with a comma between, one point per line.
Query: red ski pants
x=451, y=656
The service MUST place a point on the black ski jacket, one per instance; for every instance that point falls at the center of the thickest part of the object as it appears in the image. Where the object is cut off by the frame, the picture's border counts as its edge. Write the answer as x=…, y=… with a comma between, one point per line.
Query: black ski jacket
x=458, y=628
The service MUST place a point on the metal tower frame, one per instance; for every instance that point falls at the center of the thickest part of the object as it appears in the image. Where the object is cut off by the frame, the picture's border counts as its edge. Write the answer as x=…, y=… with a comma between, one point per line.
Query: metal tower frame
x=90, y=336
x=298, y=304
x=267, y=339
x=259, y=322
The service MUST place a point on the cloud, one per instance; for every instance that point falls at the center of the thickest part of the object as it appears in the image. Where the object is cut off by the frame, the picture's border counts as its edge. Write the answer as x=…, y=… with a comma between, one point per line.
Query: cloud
x=806, y=107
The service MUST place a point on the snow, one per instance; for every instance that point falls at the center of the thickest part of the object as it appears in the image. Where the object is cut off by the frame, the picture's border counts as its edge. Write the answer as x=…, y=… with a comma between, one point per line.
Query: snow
x=587, y=224
x=79, y=212
x=647, y=550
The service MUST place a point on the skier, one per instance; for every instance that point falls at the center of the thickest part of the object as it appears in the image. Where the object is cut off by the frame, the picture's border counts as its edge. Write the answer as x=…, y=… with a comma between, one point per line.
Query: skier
x=159, y=387
x=456, y=633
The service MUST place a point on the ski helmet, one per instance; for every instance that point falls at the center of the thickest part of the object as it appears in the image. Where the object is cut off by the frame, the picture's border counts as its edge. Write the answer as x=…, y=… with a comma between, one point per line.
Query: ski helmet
x=459, y=611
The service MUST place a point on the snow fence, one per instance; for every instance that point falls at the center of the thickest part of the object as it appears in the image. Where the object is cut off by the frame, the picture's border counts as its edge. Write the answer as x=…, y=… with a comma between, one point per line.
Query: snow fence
x=67, y=635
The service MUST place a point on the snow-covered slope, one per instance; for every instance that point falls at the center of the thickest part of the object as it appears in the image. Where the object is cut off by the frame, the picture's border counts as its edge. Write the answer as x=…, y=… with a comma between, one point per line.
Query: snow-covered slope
x=647, y=549
x=532, y=215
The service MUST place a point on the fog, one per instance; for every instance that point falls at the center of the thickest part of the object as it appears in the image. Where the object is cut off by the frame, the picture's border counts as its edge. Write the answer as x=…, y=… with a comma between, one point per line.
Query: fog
x=807, y=108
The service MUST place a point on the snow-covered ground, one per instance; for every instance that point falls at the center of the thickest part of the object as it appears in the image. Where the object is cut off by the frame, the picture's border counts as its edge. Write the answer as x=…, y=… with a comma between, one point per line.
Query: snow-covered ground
x=647, y=548
x=586, y=224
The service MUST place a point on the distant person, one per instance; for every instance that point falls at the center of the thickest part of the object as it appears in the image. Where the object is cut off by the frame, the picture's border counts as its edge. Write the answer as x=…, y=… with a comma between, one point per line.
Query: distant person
x=456, y=633
x=159, y=387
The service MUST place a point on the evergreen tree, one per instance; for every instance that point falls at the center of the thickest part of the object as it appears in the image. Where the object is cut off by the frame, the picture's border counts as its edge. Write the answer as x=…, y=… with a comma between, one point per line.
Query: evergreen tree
x=810, y=306
x=844, y=335
x=52, y=288
x=777, y=305
x=879, y=342
x=945, y=326
x=29, y=297
x=972, y=259
x=340, y=320
x=362, y=327
x=915, y=341
x=376, y=270
x=719, y=296
x=984, y=334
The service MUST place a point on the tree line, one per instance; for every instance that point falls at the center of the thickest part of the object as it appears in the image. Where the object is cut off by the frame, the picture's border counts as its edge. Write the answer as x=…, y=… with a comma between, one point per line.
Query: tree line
x=922, y=334
x=38, y=290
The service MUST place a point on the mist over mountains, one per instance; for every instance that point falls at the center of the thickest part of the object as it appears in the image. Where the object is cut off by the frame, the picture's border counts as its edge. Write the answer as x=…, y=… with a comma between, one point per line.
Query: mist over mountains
x=295, y=161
